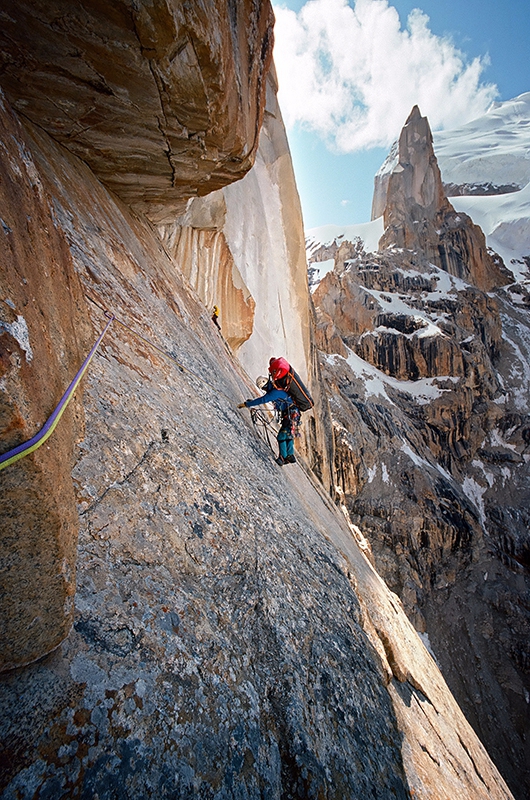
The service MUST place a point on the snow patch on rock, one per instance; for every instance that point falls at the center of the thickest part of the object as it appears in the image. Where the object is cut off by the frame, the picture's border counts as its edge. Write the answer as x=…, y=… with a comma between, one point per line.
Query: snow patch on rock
x=376, y=382
x=19, y=331
x=474, y=491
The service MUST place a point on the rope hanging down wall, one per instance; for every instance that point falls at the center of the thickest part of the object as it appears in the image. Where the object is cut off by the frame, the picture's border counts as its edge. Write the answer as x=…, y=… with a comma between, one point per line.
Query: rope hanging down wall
x=159, y=349
x=46, y=431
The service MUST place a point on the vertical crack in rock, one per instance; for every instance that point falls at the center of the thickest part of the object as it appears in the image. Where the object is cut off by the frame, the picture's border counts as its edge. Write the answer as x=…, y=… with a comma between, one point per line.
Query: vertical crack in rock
x=473, y=762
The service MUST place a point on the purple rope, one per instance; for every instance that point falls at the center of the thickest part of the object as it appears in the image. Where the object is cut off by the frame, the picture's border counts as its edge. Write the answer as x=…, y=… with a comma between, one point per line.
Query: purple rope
x=45, y=432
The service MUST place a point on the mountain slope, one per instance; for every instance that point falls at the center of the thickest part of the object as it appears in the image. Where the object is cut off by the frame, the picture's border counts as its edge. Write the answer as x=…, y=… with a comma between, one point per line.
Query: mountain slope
x=491, y=151
x=230, y=639
x=428, y=378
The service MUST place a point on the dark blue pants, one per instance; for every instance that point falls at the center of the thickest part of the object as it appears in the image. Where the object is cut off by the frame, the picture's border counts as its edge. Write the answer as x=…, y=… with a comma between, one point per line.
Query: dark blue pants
x=285, y=443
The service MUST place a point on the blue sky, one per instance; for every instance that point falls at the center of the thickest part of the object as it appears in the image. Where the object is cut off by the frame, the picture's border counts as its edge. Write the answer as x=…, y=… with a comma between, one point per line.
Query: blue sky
x=350, y=72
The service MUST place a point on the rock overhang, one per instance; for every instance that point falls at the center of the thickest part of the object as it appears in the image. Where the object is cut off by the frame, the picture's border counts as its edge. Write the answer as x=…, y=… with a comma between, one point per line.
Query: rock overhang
x=163, y=101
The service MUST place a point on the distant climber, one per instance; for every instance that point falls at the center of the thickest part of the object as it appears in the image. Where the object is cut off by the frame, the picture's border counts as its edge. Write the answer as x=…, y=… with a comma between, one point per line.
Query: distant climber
x=215, y=317
x=288, y=416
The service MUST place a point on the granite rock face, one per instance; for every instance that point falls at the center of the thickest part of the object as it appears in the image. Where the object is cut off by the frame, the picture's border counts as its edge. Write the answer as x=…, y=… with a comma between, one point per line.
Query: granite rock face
x=439, y=489
x=230, y=640
x=44, y=330
x=163, y=100
x=418, y=216
x=421, y=338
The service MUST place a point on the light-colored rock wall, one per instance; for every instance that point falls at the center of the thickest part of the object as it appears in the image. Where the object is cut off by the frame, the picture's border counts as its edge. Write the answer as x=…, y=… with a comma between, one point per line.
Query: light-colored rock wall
x=200, y=250
x=260, y=220
x=264, y=230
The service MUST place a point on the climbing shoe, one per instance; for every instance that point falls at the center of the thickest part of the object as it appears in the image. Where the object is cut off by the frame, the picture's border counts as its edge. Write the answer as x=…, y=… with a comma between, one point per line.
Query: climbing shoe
x=281, y=461
x=290, y=460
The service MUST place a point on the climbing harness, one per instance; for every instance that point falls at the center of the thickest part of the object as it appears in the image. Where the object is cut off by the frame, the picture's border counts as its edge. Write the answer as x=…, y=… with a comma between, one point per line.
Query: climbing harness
x=46, y=431
x=294, y=419
x=264, y=427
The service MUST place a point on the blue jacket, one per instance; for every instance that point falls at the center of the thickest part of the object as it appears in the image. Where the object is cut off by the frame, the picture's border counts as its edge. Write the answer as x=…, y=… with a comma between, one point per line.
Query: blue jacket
x=277, y=396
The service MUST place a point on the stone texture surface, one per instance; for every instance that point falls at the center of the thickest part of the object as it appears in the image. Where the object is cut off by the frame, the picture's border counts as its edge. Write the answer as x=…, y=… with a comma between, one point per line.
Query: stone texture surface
x=44, y=336
x=163, y=99
x=418, y=216
x=230, y=639
x=449, y=533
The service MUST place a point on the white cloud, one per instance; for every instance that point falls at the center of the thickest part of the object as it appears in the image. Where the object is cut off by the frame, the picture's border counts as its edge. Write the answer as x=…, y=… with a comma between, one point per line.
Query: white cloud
x=351, y=74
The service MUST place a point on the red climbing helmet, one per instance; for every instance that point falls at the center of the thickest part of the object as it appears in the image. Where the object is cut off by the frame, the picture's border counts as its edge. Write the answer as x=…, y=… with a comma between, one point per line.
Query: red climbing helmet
x=278, y=367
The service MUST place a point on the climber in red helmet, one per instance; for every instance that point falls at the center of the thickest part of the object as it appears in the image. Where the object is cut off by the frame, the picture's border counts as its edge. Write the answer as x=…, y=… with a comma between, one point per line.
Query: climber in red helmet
x=289, y=395
x=278, y=369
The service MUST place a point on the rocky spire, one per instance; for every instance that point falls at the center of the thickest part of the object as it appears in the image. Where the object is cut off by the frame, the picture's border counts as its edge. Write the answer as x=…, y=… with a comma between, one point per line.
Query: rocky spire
x=418, y=216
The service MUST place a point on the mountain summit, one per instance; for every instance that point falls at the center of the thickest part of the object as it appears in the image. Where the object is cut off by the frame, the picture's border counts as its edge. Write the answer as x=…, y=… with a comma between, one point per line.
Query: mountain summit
x=418, y=216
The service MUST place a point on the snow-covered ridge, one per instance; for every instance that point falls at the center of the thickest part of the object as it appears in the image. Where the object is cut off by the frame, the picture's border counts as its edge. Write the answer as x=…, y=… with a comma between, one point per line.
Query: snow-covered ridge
x=326, y=235
x=494, y=148
x=323, y=242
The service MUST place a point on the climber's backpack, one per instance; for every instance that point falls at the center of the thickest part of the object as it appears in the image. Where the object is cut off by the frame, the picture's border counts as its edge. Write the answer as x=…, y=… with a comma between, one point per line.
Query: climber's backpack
x=296, y=389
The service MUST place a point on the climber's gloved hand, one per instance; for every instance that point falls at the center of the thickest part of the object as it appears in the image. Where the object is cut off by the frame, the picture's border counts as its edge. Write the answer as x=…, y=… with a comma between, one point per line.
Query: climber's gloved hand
x=242, y=405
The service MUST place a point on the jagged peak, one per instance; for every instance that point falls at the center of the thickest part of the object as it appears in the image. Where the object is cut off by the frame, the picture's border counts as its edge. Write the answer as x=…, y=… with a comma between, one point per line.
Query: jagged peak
x=419, y=217
x=414, y=115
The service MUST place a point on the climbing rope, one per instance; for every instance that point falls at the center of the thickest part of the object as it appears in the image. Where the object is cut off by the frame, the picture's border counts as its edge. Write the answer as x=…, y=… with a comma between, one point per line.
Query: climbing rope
x=262, y=426
x=46, y=431
x=157, y=348
x=141, y=336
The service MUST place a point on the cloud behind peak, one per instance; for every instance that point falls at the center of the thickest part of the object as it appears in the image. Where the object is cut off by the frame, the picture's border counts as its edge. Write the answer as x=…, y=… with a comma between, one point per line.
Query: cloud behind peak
x=351, y=73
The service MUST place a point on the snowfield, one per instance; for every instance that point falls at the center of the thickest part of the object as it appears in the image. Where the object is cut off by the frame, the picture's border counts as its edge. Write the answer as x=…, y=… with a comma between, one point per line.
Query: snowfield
x=325, y=235
x=494, y=148
x=505, y=220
